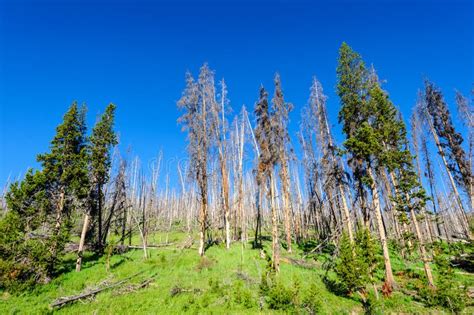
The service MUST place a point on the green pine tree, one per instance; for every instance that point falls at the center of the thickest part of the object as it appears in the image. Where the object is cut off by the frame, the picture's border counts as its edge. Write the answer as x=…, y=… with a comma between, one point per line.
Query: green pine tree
x=360, y=100
x=102, y=140
x=65, y=169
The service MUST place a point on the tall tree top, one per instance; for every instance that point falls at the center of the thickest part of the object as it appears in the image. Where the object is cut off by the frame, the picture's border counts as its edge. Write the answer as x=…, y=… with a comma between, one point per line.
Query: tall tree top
x=102, y=140
x=352, y=89
x=66, y=163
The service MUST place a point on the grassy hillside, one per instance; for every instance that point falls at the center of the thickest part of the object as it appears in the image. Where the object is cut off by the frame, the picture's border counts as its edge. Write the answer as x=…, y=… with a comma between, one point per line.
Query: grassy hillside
x=222, y=282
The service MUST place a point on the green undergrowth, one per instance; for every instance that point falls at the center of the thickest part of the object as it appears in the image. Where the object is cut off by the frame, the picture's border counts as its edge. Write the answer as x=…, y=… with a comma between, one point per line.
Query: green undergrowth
x=222, y=282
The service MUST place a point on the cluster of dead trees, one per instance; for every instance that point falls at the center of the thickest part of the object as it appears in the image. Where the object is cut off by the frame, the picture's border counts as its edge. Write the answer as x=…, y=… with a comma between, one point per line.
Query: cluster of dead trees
x=376, y=179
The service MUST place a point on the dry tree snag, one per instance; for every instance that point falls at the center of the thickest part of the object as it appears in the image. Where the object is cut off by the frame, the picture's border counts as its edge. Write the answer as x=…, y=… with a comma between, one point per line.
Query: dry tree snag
x=331, y=164
x=434, y=110
x=218, y=124
x=196, y=103
x=389, y=279
x=267, y=160
x=279, y=120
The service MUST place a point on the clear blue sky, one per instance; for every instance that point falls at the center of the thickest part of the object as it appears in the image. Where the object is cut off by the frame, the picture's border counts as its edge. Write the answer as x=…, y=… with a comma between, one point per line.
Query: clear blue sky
x=135, y=54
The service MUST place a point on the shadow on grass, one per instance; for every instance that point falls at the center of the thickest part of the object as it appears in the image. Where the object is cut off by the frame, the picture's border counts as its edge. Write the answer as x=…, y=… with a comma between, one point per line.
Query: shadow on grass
x=69, y=263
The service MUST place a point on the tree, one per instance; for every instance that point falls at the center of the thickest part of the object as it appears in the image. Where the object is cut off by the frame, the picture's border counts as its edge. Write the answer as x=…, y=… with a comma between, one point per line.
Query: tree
x=267, y=160
x=360, y=99
x=332, y=167
x=433, y=110
x=280, y=110
x=24, y=234
x=196, y=103
x=102, y=140
x=352, y=89
x=66, y=175
x=465, y=111
x=219, y=125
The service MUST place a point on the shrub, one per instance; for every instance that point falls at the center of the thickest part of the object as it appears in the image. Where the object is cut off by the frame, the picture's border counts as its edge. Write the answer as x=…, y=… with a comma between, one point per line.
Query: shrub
x=280, y=297
x=350, y=270
x=311, y=301
x=243, y=296
x=448, y=293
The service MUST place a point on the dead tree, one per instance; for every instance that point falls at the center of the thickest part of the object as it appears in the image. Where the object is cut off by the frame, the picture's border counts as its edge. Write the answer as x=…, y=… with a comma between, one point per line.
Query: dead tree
x=281, y=109
x=196, y=103
x=219, y=126
x=267, y=160
x=433, y=111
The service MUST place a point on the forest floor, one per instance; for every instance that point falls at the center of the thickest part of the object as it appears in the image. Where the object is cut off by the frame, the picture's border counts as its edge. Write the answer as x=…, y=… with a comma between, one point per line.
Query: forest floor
x=174, y=280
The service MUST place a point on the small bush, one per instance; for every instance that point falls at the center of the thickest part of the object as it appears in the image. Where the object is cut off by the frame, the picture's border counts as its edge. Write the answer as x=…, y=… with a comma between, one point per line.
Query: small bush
x=280, y=297
x=448, y=293
x=312, y=300
x=215, y=286
x=243, y=296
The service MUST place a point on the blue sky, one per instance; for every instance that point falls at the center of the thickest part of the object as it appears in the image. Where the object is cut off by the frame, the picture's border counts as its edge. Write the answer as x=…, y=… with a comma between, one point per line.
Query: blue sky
x=135, y=54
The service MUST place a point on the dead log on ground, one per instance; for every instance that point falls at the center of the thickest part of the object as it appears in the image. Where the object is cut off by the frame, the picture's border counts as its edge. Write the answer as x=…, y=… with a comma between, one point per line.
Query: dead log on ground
x=68, y=299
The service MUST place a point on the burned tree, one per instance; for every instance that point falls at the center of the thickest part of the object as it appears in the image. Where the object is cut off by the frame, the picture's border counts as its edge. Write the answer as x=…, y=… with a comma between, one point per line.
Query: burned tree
x=267, y=160
x=196, y=103
x=433, y=110
x=219, y=126
x=279, y=120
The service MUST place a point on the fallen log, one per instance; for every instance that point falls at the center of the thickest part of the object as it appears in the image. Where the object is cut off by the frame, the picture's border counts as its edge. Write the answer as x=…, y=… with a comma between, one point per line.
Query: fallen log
x=68, y=299
x=134, y=287
x=298, y=262
x=149, y=246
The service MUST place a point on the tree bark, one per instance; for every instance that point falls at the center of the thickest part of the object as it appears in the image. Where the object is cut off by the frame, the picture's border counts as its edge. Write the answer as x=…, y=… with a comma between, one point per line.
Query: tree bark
x=424, y=257
x=389, y=280
x=80, y=251
x=286, y=202
x=275, y=241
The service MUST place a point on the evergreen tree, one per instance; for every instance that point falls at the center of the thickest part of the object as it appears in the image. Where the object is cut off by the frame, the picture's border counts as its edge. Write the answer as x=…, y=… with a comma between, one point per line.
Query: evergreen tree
x=396, y=157
x=24, y=236
x=352, y=89
x=102, y=140
x=65, y=169
x=365, y=133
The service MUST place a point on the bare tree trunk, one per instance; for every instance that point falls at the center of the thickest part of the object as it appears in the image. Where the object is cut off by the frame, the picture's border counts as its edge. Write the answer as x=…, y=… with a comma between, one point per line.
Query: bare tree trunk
x=389, y=280
x=202, y=223
x=424, y=257
x=286, y=201
x=80, y=251
x=275, y=241
x=99, y=216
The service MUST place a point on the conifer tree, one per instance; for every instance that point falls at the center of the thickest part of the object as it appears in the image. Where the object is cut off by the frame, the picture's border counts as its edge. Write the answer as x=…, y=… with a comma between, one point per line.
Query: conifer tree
x=267, y=160
x=433, y=110
x=450, y=139
x=280, y=110
x=352, y=89
x=360, y=99
x=102, y=140
x=196, y=103
x=397, y=157
x=66, y=175
x=24, y=246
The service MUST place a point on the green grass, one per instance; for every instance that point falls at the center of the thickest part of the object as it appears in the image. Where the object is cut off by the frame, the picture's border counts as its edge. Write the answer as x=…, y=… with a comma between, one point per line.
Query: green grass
x=225, y=281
